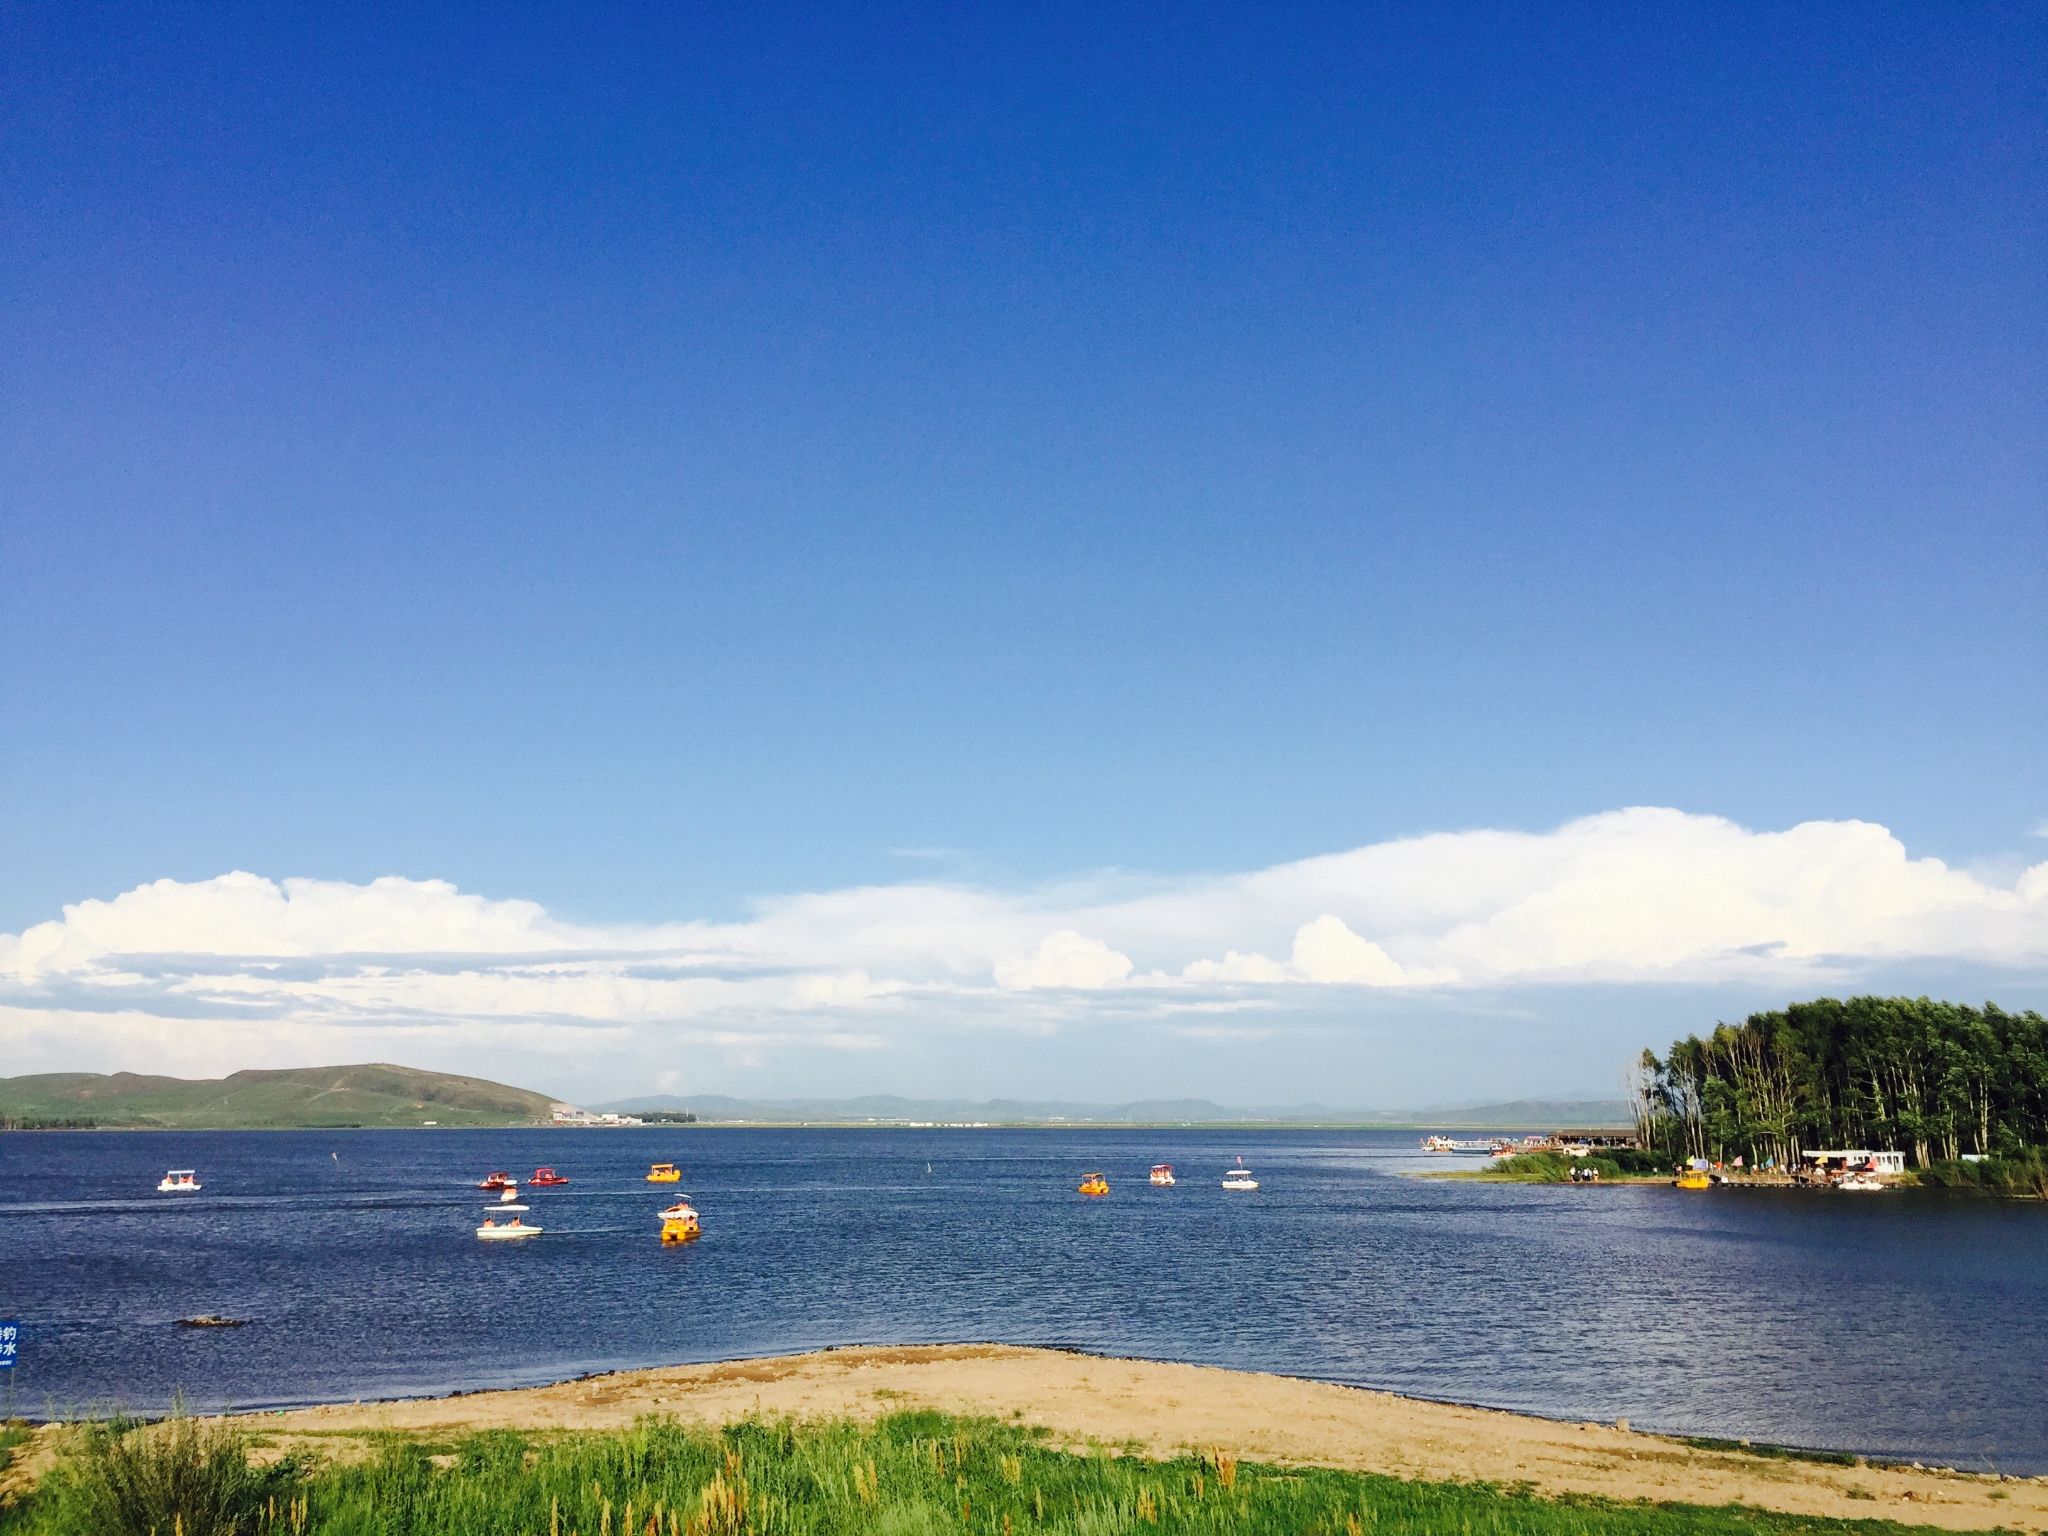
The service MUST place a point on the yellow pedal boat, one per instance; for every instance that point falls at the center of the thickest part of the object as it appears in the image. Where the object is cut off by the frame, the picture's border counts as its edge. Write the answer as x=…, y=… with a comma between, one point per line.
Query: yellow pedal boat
x=664, y=1173
x=1094, y=1184
x=679, y=1223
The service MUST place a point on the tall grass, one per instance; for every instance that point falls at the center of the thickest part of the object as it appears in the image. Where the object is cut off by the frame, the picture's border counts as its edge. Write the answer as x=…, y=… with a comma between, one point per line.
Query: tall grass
x=180, y=1477
x=909, y=1474
x=2021, y=1173
x=12, y=1436
x=1550, y=1167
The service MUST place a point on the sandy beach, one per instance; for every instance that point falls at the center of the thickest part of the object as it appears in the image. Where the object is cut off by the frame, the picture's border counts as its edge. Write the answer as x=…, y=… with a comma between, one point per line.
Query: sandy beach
x=1152, y=1408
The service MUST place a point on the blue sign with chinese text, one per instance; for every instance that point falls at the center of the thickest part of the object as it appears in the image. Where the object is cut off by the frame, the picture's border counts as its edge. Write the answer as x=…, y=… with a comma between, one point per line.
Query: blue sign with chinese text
x=10, y=1341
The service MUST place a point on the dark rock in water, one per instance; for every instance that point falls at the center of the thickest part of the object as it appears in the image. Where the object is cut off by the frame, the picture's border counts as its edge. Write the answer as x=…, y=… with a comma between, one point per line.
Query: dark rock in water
x=210, y=1320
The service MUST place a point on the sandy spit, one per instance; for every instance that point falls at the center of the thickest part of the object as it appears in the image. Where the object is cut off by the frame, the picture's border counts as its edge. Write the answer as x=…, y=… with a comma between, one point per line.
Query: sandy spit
x=1164, y=1409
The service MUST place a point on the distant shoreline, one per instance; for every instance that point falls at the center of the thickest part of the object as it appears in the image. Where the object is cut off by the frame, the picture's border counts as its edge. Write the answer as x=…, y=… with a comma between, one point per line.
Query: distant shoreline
x=384, y=1096
x=827, y=1125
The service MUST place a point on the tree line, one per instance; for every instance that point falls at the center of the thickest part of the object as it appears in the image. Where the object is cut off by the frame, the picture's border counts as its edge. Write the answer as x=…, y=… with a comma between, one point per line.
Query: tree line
x=1934, y=1080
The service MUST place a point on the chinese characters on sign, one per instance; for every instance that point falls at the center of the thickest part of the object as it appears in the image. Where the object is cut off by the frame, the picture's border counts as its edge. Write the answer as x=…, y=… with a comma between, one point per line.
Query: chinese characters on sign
x=10, y=1341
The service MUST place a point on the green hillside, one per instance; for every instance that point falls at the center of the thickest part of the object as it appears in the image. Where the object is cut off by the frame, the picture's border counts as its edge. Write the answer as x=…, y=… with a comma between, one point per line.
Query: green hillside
x=373, y=1095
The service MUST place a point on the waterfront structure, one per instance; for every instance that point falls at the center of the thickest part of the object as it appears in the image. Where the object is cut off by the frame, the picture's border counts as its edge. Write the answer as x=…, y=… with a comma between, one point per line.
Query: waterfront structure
x=1856, y=1159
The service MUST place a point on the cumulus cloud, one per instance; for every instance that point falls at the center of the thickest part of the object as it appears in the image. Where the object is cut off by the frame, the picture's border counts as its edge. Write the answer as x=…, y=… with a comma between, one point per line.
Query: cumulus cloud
x=1327, y=951
x=1324, y=953
x=1064, y=959
x=243, y=968
x=1235, y=966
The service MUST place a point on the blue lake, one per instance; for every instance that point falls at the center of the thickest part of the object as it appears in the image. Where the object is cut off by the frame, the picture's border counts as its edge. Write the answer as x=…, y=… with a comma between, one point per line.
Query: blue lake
x=1903, y=1325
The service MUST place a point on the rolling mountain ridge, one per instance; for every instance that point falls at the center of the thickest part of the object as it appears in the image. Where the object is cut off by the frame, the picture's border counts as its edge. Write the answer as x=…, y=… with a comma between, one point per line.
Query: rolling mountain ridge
x=374, y=1094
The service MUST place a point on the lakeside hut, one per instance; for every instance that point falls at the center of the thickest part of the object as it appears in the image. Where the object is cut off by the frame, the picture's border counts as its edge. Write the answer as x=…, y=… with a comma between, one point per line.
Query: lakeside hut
x=1599, y=1138
x=1833, y=1162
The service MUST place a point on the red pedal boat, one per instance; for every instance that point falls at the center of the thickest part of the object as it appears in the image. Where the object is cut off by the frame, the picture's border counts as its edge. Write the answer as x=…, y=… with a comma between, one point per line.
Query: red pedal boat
x=497, y=1181
x=546, y=1176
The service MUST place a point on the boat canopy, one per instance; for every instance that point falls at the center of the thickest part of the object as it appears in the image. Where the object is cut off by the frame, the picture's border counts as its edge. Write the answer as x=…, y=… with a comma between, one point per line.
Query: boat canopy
x=1857, y=1157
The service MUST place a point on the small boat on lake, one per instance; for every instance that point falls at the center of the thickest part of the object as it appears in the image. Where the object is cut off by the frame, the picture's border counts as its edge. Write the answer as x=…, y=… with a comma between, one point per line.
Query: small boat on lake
x=1162, y=1175
x=1474, y=1148
x=1695, y=1175
x=546, y=1178
x=1240, y=1177
x=508, y=1200
x=179, y=1181
x=491, y=1232
x=664, y=1173
x=679, y=1222
x=1094, y=1184
x=497, y=1179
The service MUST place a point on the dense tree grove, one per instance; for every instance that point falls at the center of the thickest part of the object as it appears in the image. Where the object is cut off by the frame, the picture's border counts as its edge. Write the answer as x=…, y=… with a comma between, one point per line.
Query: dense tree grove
x=1933, y=1080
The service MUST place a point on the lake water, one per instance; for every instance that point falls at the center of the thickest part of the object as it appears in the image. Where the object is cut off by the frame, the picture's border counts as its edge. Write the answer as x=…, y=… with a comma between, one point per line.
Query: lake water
x=1906, y=1325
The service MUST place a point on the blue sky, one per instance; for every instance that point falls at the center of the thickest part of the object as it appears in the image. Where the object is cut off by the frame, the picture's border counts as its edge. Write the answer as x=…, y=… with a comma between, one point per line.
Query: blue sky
x=649, y=463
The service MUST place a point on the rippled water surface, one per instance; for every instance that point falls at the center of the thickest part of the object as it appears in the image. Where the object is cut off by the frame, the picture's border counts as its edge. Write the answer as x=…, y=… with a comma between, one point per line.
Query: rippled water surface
x=1906, y=1325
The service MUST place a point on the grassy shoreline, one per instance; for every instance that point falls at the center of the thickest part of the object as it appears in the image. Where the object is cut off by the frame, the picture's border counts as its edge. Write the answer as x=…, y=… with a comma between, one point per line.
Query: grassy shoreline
x=1542, y=1167
x=915, y=1471
x=1488, y=1176
x=1475, y=1467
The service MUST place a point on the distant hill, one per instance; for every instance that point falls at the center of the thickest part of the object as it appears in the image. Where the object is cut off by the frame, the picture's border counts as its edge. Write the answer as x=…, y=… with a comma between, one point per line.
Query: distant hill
x=1521, y=1114
x=374, y=1095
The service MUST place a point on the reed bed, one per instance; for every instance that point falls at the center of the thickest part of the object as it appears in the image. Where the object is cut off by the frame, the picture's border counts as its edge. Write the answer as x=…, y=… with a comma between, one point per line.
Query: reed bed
x=2021, y=1173
x=911, y=1473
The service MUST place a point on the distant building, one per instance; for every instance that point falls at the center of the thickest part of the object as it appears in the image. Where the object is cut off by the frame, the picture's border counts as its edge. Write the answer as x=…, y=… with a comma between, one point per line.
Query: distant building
x=1596, y=1137
x=569, y=1114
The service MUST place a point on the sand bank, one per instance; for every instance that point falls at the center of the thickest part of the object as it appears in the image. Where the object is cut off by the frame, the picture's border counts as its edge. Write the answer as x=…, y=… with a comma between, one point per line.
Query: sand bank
x=1163, y=1409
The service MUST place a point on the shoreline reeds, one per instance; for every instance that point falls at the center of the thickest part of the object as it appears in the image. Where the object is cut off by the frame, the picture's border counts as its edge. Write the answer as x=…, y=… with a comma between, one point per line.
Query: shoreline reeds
x=910, y=1472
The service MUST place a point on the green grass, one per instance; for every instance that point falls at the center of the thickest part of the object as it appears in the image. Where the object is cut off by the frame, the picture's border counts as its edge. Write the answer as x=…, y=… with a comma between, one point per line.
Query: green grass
x=1616, y=1165
x=908, y=1474
x=310, y=1097
x=12, y=1434
x=2022, y=1173
x=1544, y=1168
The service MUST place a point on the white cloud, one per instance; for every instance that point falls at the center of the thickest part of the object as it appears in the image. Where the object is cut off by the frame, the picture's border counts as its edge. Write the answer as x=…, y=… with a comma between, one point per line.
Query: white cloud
x=1236, y=966
x=1327, y=951
x=1064, y=959
x=242, y=970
